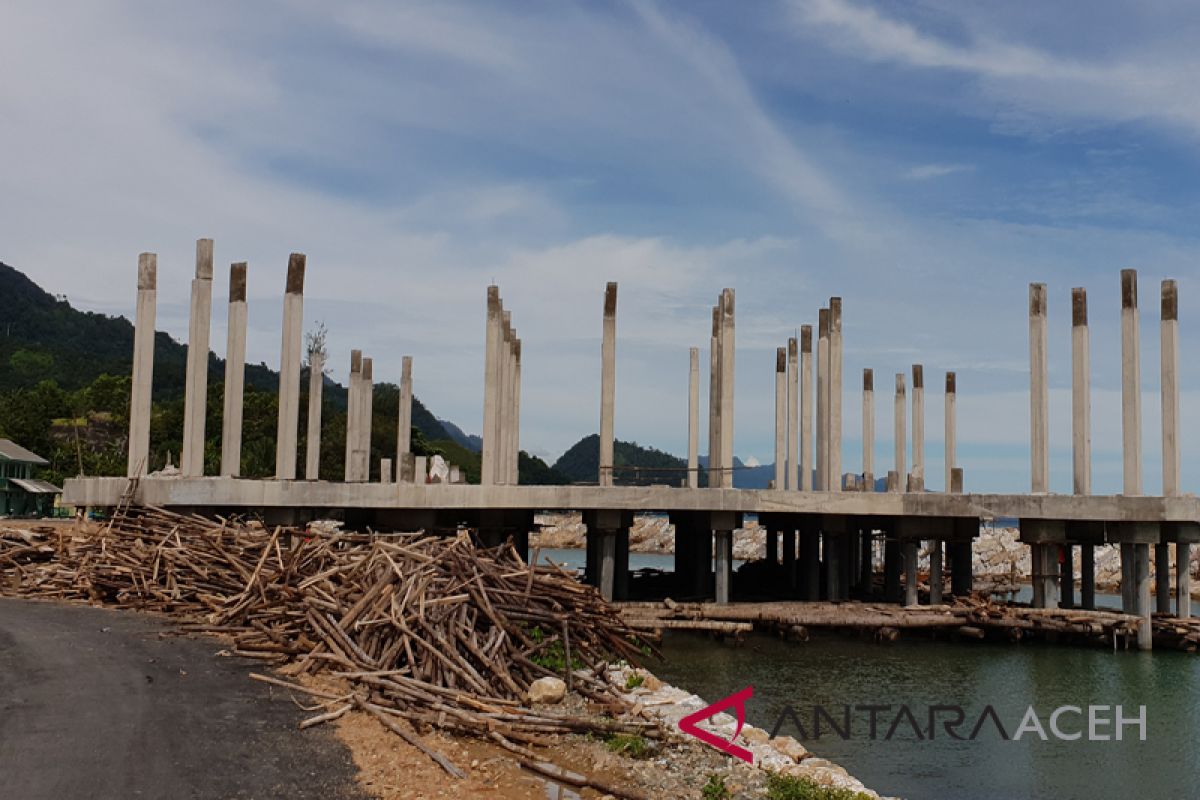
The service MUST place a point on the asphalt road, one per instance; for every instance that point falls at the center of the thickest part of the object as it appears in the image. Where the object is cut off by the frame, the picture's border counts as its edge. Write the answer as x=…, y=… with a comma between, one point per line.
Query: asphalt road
x=95, y=704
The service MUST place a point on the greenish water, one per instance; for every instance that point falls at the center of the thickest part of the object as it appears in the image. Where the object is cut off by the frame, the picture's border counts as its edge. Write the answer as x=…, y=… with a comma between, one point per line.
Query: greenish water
x=834, y=672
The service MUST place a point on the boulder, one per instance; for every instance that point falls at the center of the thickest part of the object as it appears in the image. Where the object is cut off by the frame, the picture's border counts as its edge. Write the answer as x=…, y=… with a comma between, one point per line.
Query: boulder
x=547, y=690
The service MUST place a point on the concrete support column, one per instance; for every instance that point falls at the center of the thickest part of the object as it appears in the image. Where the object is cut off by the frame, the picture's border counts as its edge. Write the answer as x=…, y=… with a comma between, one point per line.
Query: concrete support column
x=693, y=468
x=1131, y=384
x=868, y=429
x=235, y=372
x=723, y=544
x=780, y=418
x=899, y=433
x=910, y=573
x=1169, y=383
x=822, y=482
x=1081, y=394
x=951, y=430
x=195, y=402
x=1087, y=576
x=1162, y=578
x=353, y=407
x=714, y=401
x=608, y=564
x=1141, y=577
x=918, y=427
x=810, y=562
x=366, y=417
x=289, y=369
x=385, y=470
x=1066, y=580
x=516, y=414
x=892, y=566
x=404, y=416
x=789, y=557
x=806, y=408
x=489, y=457
x=936, y=578
x=727, y=372
x=504, y=452
x=608, y=383
x=834, y=414
x=143, y=366
x=1183, y=579
x=1039, y=396
x=831, y=547
x=316, y=390
x=792, y=479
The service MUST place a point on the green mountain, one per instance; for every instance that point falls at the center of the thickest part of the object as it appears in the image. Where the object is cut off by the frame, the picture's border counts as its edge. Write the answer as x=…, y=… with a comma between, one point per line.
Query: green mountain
x=634, y=464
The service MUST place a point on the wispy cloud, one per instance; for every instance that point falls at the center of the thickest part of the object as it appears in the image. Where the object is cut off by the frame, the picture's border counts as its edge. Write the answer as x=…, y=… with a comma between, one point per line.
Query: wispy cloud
x=926, y=171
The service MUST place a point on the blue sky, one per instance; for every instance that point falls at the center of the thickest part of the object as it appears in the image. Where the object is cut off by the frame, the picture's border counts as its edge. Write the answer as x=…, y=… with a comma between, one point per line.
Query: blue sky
x=923, y=160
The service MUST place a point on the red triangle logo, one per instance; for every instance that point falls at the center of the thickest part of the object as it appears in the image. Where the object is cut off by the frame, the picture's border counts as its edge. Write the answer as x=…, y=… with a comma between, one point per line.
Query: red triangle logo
x=689, y=724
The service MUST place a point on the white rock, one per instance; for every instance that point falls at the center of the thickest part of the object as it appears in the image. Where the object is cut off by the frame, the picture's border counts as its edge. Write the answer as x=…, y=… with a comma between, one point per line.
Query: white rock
x=547, y=690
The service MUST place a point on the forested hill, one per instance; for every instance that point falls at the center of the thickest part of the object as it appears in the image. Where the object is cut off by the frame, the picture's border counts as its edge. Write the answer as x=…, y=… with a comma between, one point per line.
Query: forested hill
x=635, y=464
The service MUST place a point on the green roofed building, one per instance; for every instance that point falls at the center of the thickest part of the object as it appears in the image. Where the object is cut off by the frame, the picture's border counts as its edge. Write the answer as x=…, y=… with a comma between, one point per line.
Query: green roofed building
x=22, y=495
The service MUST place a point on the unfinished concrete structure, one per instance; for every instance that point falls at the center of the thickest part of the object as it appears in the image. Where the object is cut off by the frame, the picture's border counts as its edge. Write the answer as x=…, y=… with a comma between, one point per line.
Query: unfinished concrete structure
x=835, y=530
x=235, y=372
x=142, y=378
x=289, y=369
x=195, y=402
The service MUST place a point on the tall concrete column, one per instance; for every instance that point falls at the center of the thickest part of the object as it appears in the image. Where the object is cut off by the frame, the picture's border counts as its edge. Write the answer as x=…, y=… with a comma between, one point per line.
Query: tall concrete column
x=911, y=597
x=1039, y=396
x=142, y=380
x=727, y=372
x=780, y=417
x=504, y=452
x=822, y=482
x=608, y=384
x=899, y=434
x=366, y=418
x=491, y=389
x=693, y=467
x=516, y=413
x=353, y=407
x=951, y=432
x=235, y=372
x=714, y=401
x=868, y=428
x=1131, y=384
x=404, y=417
x=918, y=427
x=289, y=369
x=1169, y=383
x=1081, y=434
x=316, y=393
x=724, y=565
x=806, y=408
x=793, y=416
x=936, y=578
x=195, y=402
x=1087, y=576
x=834, y=413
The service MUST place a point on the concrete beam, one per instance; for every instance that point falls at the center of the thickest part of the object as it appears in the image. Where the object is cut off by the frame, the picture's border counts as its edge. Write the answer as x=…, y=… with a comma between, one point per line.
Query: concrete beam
x=1131, y=384
x=195, y=403
x=235, y=373
x=868, y=429
x=1039, y=394
x=806, y=409
x=289, y=369
x=143, y=366
x=608, y=384
x=792, y=479
x=693, y=467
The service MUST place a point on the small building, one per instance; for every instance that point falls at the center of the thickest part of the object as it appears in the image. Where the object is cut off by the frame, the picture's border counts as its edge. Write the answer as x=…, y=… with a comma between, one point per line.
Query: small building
x=22, y=495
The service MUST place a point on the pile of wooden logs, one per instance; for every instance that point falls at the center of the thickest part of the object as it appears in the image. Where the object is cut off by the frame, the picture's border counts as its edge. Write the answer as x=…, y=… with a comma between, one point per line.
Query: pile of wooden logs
x=427, y=629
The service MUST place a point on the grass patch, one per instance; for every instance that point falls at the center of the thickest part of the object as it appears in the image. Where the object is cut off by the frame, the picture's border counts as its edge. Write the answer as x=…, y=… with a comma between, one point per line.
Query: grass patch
x=629, y=744
x=634, y=681
x=715, y=789
x=553, y=656
x=788, y=787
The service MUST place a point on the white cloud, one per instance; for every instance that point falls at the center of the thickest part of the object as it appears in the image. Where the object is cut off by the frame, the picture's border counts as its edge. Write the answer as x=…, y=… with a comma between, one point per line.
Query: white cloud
x=926, y=171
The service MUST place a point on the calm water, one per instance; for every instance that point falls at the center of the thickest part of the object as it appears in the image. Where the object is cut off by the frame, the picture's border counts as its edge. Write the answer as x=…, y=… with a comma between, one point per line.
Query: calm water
x=834, y=672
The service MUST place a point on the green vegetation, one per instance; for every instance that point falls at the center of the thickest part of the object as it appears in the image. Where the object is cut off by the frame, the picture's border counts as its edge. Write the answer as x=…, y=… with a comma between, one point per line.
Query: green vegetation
x=629, y=744
x=634, y=681
x=715, y=789
x=787, y=787
x=553, y=656
x=646, y=464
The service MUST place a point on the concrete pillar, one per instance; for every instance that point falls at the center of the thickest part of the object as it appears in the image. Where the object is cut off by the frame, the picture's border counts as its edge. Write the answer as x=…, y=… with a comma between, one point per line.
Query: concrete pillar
x=1066, y=579
x=792, y=479
x=918, y=426
x=1183, y=579
x=1087, y=576
x=723, y=545
x=608, y=564
x=353, y=406
x=143, y=366
x=810, y=562
x=516, y=413
x=834, y=413
x=1081, y=394
x=504, y=451
x=789, y=557
x=822, y=482
x=806, y=409
x=693, y=467
x=910, y=573
x=780, y=418
x=1141, y=576
x=289, y=369
x=899, y=434
x=832, y=550
x=1039, y=394
x=936, y=578
x=491, y=389
x=195, y=402
x=868, y=429
x=366, y=417
x=316, y=391
x=421, y=469
x=951, y=428
x=608, y=383
x=1169, y=382
x=1162, y=578
x=1131, y=384
x=385, y=470
x=404, y=417
x=714, y=400
x=892, y=567
x=727, y=372
x=235, y=372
